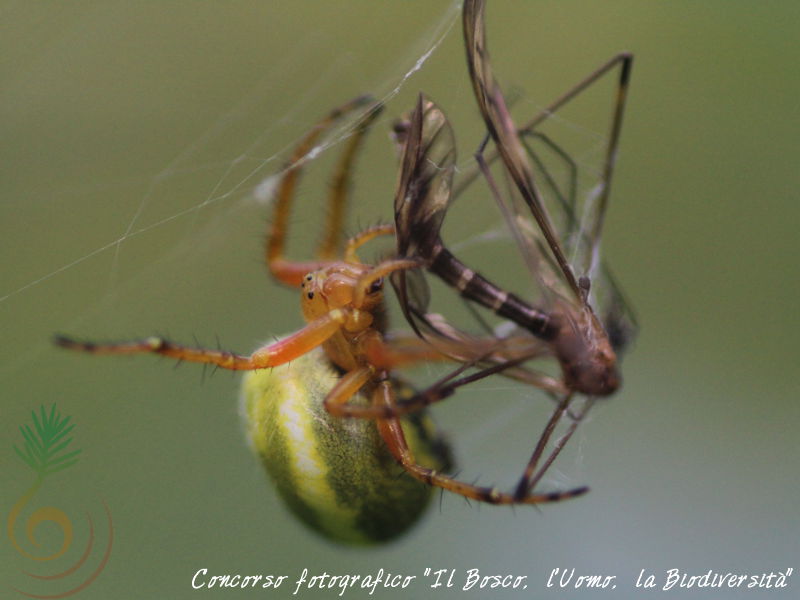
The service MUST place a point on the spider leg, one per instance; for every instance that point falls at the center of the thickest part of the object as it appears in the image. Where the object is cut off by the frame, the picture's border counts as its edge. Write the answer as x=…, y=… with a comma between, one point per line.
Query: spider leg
x=562, y=441
x=383, y=355
x=379, y=271
x=395, y=440
x=362, y=237
x=312, y=335
x=291, y=272
x=528, y=479
x=347, y=387
x=340, y=188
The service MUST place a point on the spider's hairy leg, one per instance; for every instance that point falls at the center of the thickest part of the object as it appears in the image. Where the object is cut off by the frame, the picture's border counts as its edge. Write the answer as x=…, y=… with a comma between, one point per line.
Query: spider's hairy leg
x=312, y=335
x=383, y=354
x=377, y=273
x=348, y=386
x=392, y=434
x=528, y=480
x=340, y=187
x=291, y=272
x=362, y=237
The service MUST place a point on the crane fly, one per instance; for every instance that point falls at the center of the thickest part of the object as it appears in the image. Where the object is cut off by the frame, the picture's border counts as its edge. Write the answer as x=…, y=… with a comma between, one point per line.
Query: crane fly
x=562, y=323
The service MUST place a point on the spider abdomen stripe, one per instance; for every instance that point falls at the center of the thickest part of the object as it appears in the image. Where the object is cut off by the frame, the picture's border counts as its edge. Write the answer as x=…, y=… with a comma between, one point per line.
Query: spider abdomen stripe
x=336, y=475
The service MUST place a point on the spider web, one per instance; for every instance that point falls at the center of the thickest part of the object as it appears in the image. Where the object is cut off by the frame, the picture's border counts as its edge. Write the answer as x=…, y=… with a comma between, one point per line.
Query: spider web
x=166, y=236
x=213, y=177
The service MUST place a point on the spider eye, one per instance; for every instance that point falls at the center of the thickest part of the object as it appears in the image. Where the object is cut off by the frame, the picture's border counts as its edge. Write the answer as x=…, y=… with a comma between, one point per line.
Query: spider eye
x=376, y=286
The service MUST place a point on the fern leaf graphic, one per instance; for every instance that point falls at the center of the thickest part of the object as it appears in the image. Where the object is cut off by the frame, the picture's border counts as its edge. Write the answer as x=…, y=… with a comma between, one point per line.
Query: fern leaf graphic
x=45, y=448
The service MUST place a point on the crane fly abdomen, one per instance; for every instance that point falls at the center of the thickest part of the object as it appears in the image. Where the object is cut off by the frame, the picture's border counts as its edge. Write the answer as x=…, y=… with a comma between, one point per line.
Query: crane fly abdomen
x=583, y=351
x=476, y=287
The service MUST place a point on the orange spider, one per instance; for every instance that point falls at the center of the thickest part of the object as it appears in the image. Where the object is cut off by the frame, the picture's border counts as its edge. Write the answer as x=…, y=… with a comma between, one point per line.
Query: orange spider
x=342, y=301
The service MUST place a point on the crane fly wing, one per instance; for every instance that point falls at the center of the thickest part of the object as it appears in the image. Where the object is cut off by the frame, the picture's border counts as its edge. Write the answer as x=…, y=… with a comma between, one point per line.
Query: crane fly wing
x=426, y=179
x=423, y=194
x=614, y=311
x=545, y=241
x=556, y=204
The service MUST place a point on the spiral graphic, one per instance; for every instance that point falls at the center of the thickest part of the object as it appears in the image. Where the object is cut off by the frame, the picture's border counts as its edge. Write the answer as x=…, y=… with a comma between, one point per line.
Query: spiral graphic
x=45, y=451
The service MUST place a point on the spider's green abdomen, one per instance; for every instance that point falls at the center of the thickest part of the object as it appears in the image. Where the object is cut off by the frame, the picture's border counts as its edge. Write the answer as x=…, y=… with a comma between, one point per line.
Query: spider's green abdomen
x=336, y=475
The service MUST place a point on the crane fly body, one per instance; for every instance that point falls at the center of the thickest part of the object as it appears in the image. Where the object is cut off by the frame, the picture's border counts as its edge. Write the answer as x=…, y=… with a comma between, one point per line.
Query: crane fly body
x=563, y=324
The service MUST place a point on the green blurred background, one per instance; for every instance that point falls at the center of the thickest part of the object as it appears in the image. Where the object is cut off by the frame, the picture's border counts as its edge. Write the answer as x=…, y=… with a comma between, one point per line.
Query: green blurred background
x=133, y=135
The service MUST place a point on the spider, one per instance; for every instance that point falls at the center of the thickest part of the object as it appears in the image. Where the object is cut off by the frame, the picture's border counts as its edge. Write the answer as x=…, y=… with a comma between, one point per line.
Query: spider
x=342, y=362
